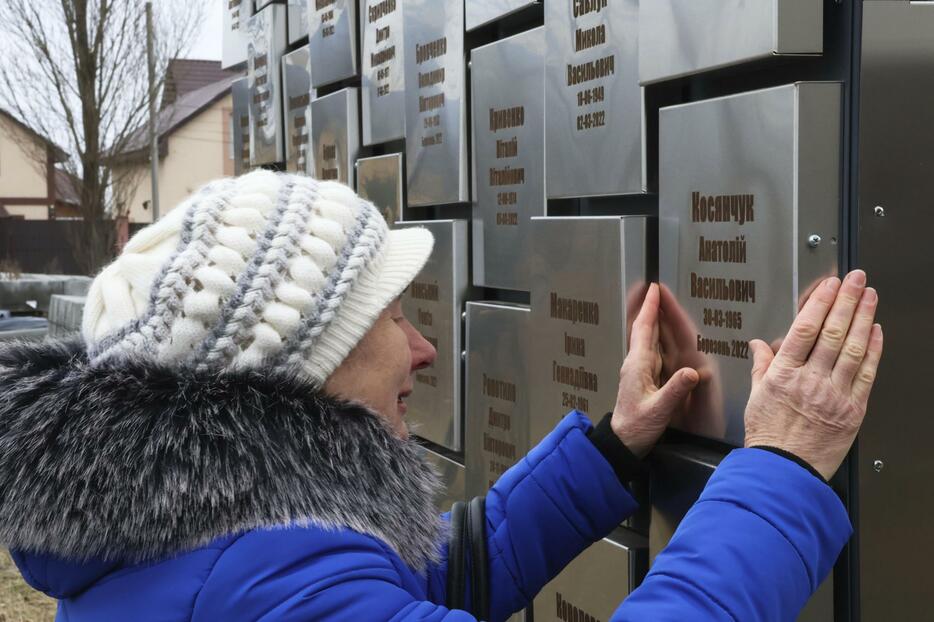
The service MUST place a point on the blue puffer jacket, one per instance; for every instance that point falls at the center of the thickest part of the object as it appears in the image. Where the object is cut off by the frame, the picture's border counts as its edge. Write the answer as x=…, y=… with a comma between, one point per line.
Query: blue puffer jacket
x=259, y=500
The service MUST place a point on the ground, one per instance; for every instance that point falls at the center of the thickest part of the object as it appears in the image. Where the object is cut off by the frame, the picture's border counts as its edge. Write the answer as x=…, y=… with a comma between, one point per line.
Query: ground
x=18, y=601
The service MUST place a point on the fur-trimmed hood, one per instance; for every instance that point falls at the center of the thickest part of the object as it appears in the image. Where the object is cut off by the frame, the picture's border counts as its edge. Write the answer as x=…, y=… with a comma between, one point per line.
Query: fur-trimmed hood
x=132, y=460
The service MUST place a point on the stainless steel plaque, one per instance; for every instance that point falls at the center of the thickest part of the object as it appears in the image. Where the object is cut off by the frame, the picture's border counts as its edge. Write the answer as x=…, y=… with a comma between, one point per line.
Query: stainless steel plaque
x=335, y=137
x=433, y=303
x=593, y=585
x=332, y=37
x=435, y=103
x=496, y=401
x=678, y=38
x=262, y=4
x=236, y=39
x=588, y=280
x=481, y=12
x=748, y=223
x=507, y=83
x=240, y=119
x=267, y=45
x=379, y=180
x=296, y=69
x=298, y=21
x=452, y=477
x=383, y=77
x=593, y=102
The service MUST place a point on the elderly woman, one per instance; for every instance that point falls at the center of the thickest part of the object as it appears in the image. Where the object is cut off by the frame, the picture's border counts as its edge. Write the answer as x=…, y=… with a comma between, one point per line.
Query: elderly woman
x=228, y=440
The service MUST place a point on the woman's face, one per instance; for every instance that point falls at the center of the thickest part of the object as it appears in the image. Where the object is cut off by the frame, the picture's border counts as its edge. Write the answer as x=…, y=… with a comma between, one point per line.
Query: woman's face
x=379, y=371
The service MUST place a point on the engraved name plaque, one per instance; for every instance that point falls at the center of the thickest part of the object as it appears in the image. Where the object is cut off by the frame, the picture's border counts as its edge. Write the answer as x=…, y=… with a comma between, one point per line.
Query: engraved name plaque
x=452, y=479
x=332, y=38
x=588, y=280
x=435, y=103
x=383, y=76
x=236, y=39
x=433, y=304
x=482, y=12
x=496, y=406
x=594, y=584
x=267, y=45
x=335, y=139
x=296, y=69
x=298, y=21
x=379, y=179
x=746, y=227
x=593, y=102
x=507, y=81
x=678, y=38
x=240, y=120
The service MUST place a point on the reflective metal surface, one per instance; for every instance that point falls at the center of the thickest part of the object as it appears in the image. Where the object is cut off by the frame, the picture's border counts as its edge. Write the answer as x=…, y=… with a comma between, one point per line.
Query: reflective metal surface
x=496, y=403
x=335, y=139
x=480, y=12
x=433, y=304
x=383, y=76
x=896, y=126
x=266, y=47
x=507, y=86
x=452, y=478
x=680, y=38
x=296, y=78
x=593, y=585
x=332, y=39
x=235, y=37
x=379, y=180
x=435, y=103
x=588, y=279
x=593, y=102
x=298, y=21
x=744, y=182
x=240, y=118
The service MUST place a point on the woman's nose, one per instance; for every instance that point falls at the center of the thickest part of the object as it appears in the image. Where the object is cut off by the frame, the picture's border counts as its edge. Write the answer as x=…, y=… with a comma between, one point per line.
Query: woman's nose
x=423, y=352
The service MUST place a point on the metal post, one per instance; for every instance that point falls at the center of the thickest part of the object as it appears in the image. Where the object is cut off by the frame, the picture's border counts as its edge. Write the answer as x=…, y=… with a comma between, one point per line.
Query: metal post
x=153, y=132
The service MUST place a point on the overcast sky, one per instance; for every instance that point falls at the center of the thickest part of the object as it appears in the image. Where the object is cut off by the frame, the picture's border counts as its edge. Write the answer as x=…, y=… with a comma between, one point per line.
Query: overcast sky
x=208, y=44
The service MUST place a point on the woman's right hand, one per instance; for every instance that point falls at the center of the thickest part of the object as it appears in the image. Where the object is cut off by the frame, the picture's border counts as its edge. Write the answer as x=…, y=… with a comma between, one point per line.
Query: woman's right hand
x=810, y=397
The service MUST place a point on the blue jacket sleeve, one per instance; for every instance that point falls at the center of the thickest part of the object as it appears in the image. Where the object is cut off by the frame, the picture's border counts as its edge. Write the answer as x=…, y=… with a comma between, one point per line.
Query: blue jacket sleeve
x=543, y=512
x=755, y=546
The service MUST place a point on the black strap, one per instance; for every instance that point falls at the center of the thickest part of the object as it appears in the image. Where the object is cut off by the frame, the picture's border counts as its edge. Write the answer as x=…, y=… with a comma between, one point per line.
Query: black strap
x=457, y=558
x=479, y=579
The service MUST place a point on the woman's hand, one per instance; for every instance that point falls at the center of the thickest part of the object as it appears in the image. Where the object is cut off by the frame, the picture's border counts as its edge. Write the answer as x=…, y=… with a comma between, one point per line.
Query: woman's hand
x=810, y=398
x=643, y=405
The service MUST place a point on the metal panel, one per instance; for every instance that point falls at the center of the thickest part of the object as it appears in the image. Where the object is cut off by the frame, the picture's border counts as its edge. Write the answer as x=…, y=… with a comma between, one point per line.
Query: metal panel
x=379, y=180
x=679, y=38
x=745, y=181
x=593, y=102
x=240, y=94
x=433, y=304
x=236, y=39
x=594, y=584
x=383, y=76
x=296, y=69
x=298, y=21
x=332, y=38
x=496, y=401
x=335, y=138
x=435, y=103
x=588, y=279
x=262, y=4
x=896, y=125
x=481, y=12
x=267, y=45
x=507, y=86
x=452, y=479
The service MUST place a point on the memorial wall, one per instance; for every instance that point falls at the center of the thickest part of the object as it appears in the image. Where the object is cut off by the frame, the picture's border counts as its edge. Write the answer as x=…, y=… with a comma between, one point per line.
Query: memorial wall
x=523, y=134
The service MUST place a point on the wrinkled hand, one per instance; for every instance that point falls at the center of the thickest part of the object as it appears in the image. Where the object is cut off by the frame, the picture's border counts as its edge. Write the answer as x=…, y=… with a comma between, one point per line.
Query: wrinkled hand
x=810, y=397
x=643, y=405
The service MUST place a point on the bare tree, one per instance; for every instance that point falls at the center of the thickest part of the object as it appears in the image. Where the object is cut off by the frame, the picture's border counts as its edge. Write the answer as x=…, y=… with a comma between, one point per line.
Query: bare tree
x=75, y=71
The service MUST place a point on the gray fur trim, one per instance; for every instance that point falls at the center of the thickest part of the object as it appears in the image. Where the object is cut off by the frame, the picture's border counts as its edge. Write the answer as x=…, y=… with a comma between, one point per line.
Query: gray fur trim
x=132, y=460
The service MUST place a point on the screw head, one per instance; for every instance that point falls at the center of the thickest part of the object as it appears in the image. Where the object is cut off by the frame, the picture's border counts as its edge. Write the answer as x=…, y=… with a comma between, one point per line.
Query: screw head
x=879, y=211
x=463, y=355
x=878, y=465
x=814, y=240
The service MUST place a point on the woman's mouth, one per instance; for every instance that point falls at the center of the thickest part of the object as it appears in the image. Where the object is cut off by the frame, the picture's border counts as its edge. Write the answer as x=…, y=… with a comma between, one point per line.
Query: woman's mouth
x=400, y=402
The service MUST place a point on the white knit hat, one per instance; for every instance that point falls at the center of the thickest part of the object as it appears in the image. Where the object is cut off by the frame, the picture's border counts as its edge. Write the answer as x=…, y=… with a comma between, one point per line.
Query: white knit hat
x=265, y=269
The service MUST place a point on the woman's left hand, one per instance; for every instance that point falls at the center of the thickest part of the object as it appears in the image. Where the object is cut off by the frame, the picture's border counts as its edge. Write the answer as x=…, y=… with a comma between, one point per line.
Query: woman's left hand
x=643, y=405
